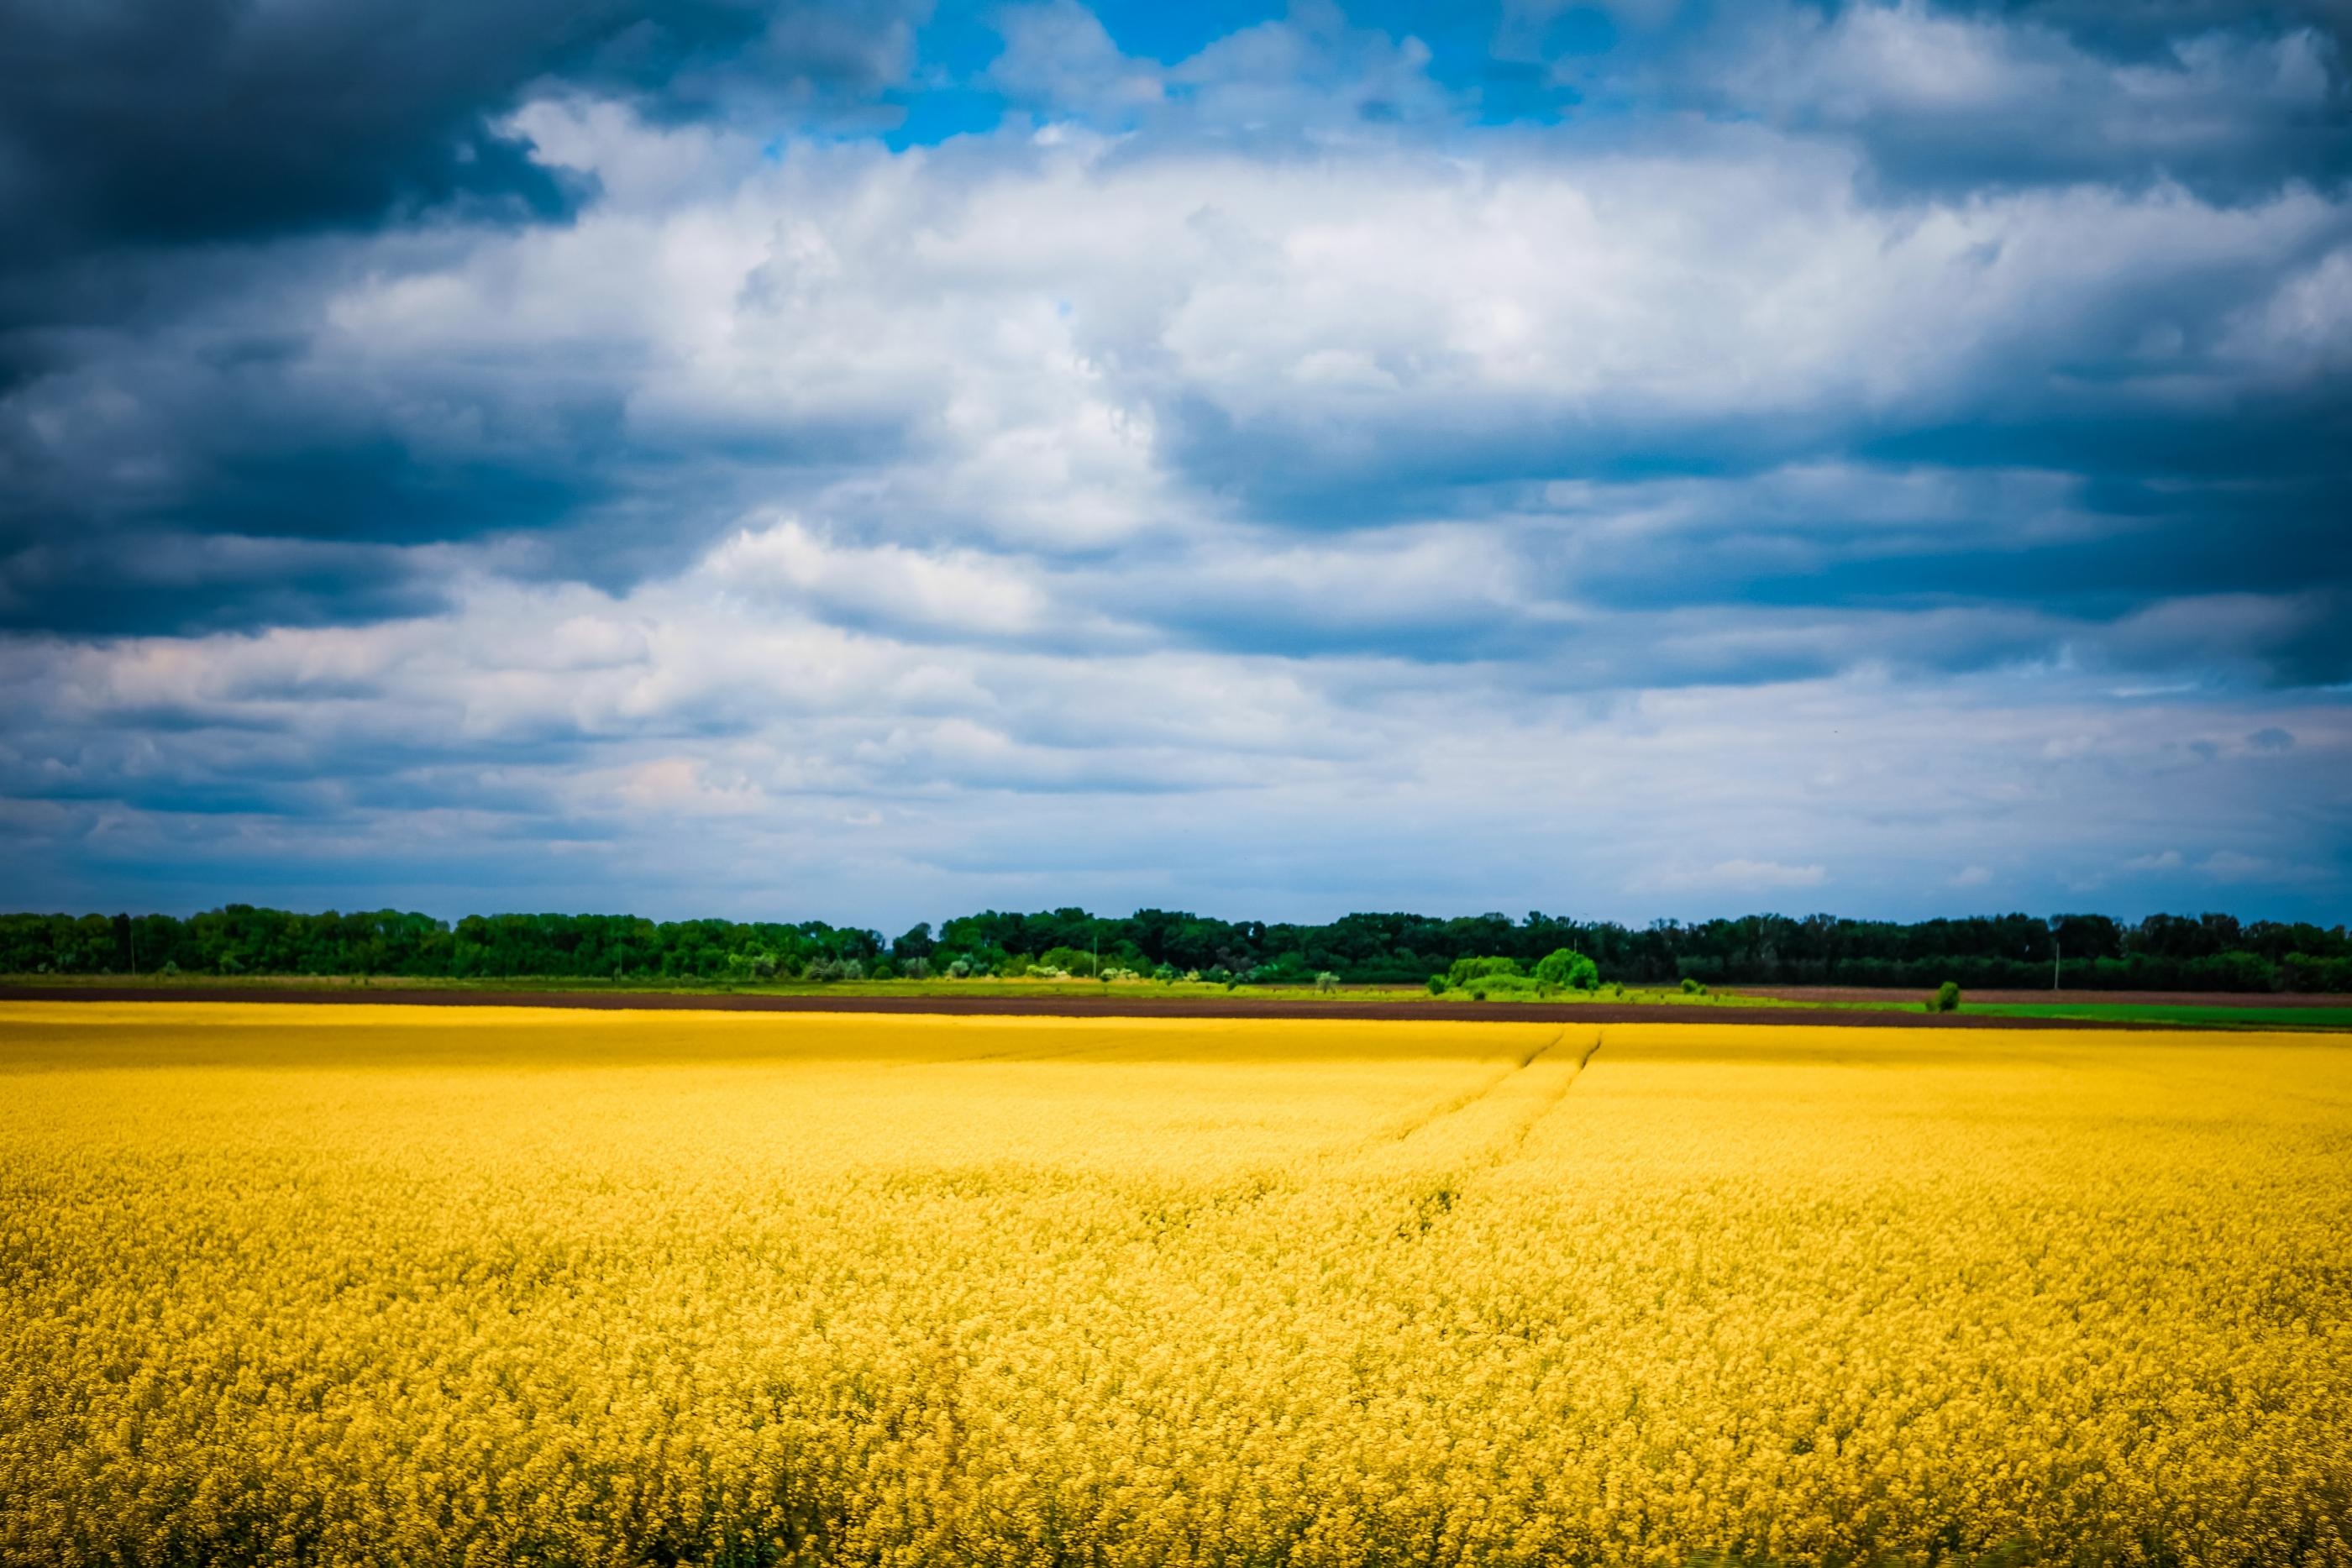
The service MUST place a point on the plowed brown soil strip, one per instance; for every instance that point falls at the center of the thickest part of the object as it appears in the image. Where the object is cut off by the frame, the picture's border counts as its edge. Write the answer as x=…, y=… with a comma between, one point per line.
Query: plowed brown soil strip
x=2064, y=998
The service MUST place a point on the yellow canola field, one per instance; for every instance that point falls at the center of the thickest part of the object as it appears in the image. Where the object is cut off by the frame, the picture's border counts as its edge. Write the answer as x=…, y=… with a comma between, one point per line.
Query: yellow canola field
x=483, y=1286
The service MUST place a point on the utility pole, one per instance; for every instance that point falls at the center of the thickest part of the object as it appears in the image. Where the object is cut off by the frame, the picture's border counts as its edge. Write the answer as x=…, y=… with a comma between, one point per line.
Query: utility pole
x=2057, y=956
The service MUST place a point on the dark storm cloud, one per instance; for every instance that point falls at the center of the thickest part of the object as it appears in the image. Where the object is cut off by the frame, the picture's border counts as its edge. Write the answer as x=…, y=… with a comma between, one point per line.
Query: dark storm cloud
x=160, y=164
x=174, y=479
x=2231, y=102
x=2128, y=559
x=2131, y=29
x=340, y=486
x=117, y=583
x=2278, y=464
x=1311, y=465
x=168, y=121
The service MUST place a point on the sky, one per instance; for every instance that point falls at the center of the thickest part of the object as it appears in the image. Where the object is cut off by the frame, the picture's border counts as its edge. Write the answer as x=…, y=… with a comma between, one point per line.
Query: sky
x=874, y=461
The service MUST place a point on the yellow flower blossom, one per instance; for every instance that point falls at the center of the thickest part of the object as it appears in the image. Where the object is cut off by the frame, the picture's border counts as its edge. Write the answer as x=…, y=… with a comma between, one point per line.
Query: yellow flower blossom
x=477, y=1286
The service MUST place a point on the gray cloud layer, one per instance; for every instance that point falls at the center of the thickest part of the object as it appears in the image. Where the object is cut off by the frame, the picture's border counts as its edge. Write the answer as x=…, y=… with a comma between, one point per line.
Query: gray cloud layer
x=1931, y=458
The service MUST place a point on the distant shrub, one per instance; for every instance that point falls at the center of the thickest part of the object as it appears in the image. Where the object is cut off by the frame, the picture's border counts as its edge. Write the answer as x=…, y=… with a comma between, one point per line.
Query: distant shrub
x=1165, y=974
x=1437, y=985
x=1477, y=993
x=1947, y=999
x=1465, y=971
x=1569, y=969
x=960, y=970
x=1523, y=986
x=1691, y=988
x=1327, y=982
x=916, y=968
x=751, y=964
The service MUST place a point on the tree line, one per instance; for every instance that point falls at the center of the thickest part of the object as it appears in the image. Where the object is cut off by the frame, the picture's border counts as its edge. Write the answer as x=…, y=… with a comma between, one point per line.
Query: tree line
x=2166, y=952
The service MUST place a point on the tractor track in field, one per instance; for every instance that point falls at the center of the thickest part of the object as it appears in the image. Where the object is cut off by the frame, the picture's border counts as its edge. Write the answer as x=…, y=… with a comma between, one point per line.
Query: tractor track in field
x=1455, y=1104
x=1109, y=1007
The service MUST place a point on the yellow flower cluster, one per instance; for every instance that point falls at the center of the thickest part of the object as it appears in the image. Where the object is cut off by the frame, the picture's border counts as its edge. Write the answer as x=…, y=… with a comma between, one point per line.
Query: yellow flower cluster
x=459, y=1286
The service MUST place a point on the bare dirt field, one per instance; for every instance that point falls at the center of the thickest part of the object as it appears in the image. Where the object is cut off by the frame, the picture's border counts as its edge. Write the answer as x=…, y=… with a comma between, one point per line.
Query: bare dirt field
x=1895, y=998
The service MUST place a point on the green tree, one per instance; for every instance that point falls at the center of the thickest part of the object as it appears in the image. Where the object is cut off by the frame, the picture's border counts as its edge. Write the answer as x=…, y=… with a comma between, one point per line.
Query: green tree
x=1568, y=969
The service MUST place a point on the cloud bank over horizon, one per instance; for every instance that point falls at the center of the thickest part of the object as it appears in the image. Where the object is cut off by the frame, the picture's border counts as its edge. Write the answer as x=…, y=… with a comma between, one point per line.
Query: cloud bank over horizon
x=864, y=461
